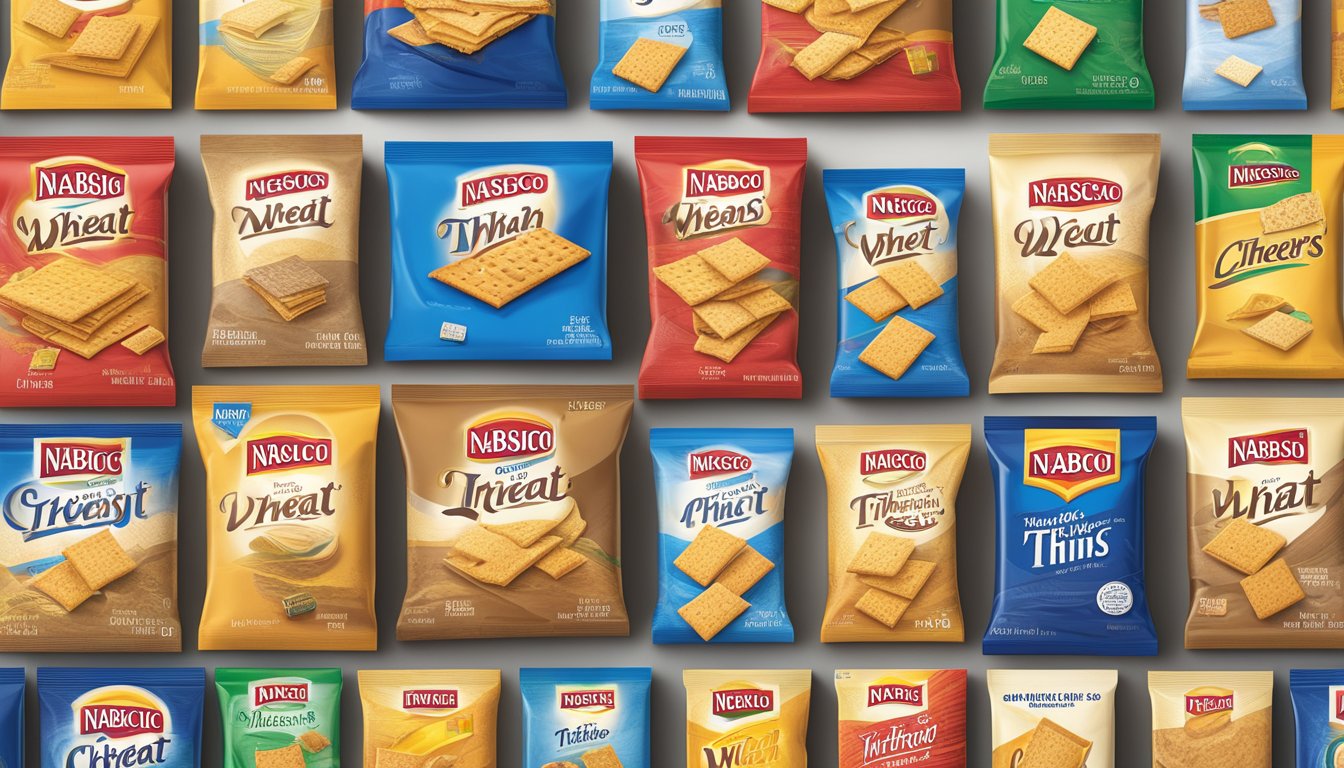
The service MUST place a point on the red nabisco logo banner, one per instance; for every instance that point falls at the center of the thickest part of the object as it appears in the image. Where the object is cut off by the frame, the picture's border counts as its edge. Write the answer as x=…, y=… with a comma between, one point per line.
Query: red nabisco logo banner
x=702, y=182
x=910, y=695
x=68, y=459
x=742, y=702
x=892, y=460
x=264, y=694
x=502, y=186
x=284, y=452
x=77, y=181
x=1207, y=705
x=119, y=722
x=1289, y=446
x=287, y=183
x=425, y=698
x=1261, y=175
x=1339, y=704
x=591, y=701
x=1073, y=193
x=884, y=206
x=1070, y=462
x=509, y=438
x=717, y=462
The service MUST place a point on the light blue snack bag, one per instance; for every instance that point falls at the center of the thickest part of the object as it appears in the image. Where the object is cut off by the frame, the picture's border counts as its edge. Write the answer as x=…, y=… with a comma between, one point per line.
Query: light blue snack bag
x=586, y=716
x=641, y=67
x=1244, y=55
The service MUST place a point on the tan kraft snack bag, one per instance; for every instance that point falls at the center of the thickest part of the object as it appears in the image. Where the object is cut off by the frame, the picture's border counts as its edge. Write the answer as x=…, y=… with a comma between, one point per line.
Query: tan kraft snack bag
x=290, y=532
x=1265, y=477
x=892, y=496
x=1071, y=215
x=1212, y=719
x=1052, y=718
x=286, y=252
x=513, y=510
x=439, y=718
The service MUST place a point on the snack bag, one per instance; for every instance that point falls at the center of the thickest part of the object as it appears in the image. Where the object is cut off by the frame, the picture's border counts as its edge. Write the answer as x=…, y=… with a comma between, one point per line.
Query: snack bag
x=896, y=251
x=747, y=717
x=661, y=54
x=721, y=535
x=856, y=56
x=468, y=54
x=891, y=499
x=280, y=718
x=89, y=54
x=902, y=717
x=13, y=684
x=1210, y=718
x=1337, y=55
x=589, y=717
x=1317, y=710
x=1069, y=497
x=1071, y=218
x=1052, y=717
x=290, y=527
x=724, y=224
x=1069, y=54
x=84, y=272
x=1264, y=482
x=499, y=250
x=1267, y=259
x=89, y=554
x=514, y=510
x=264, y=54
x=286, y=250
x=1243, y=54
x=120, y=716
x=439, y=717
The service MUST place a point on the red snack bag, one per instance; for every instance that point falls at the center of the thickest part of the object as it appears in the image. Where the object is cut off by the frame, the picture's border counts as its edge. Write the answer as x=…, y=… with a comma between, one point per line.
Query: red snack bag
x=724, y=221
x=824, y=56
x=84, y=271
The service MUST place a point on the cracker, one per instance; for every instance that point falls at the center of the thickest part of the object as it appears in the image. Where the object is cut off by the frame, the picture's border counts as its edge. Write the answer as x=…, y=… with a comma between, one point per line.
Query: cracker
x=693, y=279
x=292, y=70
x=524, y=533
x=734, y=259
x=745, y=288
x=602, y=757
x=481, y=544
x=824, y=53
x=119, y=68
x=144, y=312
x=649, y=63
x=708, y=554
x=882, y=606
x=1053, y=746
x=907, y=582
x=51, y=16
x=913, y=282
x=502, y=571
x=1060, y=38
x=1066, y=283
x=284, y=757
x=313, y=742
x=559, y=562
x=511, y=269
x=411, y=33
x=1292, y=212
x=792, y=6
x=86, y=326
x=286, y=310
x=257, y=17
x=1063, y=339
x=712, y=610
x=1245, y=546
x=728, y=349
x=144, y=340
x=724, y=318
x=571, y=527
x=837, y=16
x=287, y=277
x=877, y=299
x=99, y=559
x=881, y=555
x=1258, y=304
x=1239, y=71
x=63, y=584
x=1272, y=589
x=896, y=348
x=1280, y=330
x=1034, y=308
x=744, y=571
x=763, y=304
x=863, y=5
x=104, y=37
x=1242, y=17
x=66, y=289
x=391, y=758
x=473, y=23
x=1115, y=300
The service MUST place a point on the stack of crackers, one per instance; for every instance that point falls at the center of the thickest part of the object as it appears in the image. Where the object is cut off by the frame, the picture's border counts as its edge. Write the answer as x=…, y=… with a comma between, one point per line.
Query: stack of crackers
x=292, y=756
x=107, y=45
x=730, y=308
x=1068, y=297
x=288, y=286
x=466, y=26
x=506, y=271
x=883, y=564
x=728, y=566
x=649, y=63
x=497, y=554
x=853, y=40
x=1053, y=746
x=89, y=565
x=901, y=342
x=257, y=21
x=1239, y=18
x=1060, y=38
x=1270, y=587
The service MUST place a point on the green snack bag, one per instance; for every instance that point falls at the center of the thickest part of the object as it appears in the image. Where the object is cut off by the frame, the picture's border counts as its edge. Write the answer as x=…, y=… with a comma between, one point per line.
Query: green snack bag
x=1069, y=54
x=280, y=718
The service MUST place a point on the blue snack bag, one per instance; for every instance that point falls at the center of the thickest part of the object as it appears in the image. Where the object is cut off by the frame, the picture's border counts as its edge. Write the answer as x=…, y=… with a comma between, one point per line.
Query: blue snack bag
x=12, y=686
x=896, y=252
x=721, y=535
x=431, y=58
x=586, y=716
x=661, y=54
x=1318, y=709
x=1069, y=504
x=99, y=717
x=499, y=250
x=1244, y=56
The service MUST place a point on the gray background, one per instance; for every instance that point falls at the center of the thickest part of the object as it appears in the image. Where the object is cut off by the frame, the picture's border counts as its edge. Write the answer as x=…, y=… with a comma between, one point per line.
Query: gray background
x=891, y=140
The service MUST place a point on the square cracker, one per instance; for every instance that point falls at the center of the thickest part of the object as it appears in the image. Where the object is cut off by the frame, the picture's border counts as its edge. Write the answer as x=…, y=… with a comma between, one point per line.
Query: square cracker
x=66, y=289
x=412, y=34
x=907, y=582
x=501, y=571
x=290, y=276
x=513, y=268
x=99, y=559
x=709, y=553
x=881, y=555
x=1274, y=588
x=896, y=348
x=1242, y=17
x=1115, y=300
x=51, y=16
x=728, y=349
x=745, y=570
x=119, y=68
x=1279, y=329
x=257, y=17
x=824, y=53
x=1053, y=746
x=913, y=282
x=63, y=584
x=1292, y=212
x=712, y=610
x=734, y=259
x=292, y=70
x=144, y=340
x=649, y=63
x=765, y=303
x=1034, y=308
x=284, y=757
x=792, y=6
x=877, y=299
x=559, y=562
x=1066, y=283
x=1064, y=339
x=391, y=758
x=693, y=279
x=602, y=757
x=481, y=544
x=882, y=606
x=1060, y=38
x=724, y=318
x=313, y=741
x=144, y=312
x=1239, y=71
x=838, y=16
x=104, y=37
x=1245, y=546
x=1257, y=304
x=524, y=533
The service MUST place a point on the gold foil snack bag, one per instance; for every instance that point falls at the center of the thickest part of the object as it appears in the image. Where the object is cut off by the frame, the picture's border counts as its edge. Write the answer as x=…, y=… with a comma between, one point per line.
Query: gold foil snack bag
x=263, y=54
x=430, y=718
x=747, y=717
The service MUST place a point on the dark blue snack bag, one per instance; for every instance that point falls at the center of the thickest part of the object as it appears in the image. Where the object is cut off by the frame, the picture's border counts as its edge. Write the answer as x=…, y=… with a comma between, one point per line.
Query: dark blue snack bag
x=12, y=686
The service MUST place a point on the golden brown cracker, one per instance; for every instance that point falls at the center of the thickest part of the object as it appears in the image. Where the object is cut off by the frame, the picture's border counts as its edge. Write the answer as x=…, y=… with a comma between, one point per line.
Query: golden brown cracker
x=1242, y=17
x=290, y=276
x=99, y=559
x=709, y=553
x=524, y=533
x=837, y=16
x=104, y=37
x=1279, y=329
x=882, y=606
x=1054, y=746
x=51, y=16
x=744, y=571
x=877, y=299
x=896, y=348
x=560, y=562
x=284, y=757
x=1238, y=70
x=571, y=527
x=480, y=543
x=792, y=6
x=290, y=72
x=712, y=610
x=511, y=269
x=1115, y=300
x=745, y=288
x=602, y=757
x=724, y=318
x=1067, y=283
x=1272, y=589
x=1063, y=339
x=257, y=17
x=144, y=340
x=1245, y=546
x=728, y=349
x=66, y=289
x=313, y=741
x=501, y=571
x=693, y=279
x=734, y=259
x=763, y=304
x=391, y=758
x=881, y=554
x=912, y=281
x=411, y=33
x=649, y=63
x=1292, y=212
x=119, y=68
x=1060, y=38
x=1256, y=305
x=822, y=54
x=907, y=582
x=1034, y=308
x=63, y=584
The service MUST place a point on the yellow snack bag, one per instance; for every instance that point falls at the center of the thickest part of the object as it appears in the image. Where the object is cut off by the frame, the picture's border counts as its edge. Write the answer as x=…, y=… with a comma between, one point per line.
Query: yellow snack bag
x=265, y=54
x=290, y=531
x=89, y=54
x=747, y=717
x=442, y=717
x=1337, y=55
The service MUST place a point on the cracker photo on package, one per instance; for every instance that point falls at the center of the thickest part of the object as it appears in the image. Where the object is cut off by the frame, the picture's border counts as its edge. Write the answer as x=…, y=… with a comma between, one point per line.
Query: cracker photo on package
x=436, y=718
x=664, y=54
x=746, y=717
x=901, y=717
x=286, y=251
x=1244, y=55
x=513, y=510
x=280, y=718
x=289, y=517
x=1052, y=718
x=266, y=54
x=1202, y=719
x=1071, y=220
x=596, y=718
x=1267, y=257
x=892, y=529
x=499, y=250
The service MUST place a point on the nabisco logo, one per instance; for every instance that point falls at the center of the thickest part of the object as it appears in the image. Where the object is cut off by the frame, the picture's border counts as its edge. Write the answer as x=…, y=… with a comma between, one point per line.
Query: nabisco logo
x=426, y=698
x=119, y=721
x=77, y=181
x=503, y=185
x=707, y=182
x=1261, y=175
x=1337, y=705
x=895, y=693
x=717, y=462
x=886, y=206
x=1197, y=704
x=1073, y=193
x=1289, y=446
x=60, y=459
x=892, y=460
x=742, y=702
x=1071, y=462
x=280, y=692
x=285, y=452
x=588, y=701
x=286, y=183
x=510, y=438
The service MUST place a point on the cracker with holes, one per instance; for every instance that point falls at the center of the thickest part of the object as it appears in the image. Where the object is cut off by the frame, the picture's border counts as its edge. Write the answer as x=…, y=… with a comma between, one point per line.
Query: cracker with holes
x=508, y=271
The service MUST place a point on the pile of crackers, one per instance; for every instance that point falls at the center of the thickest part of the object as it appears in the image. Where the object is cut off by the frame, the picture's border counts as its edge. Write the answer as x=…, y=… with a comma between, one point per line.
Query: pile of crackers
x=883, y=564
x=730, y=307
x=496, y=554
x=292, y=756
x=853, y=40
x=466, y=26
x=83, y=308
x=288, y=286
x=1270, y=587
x=511, y=269
x=728, y=566
x=1278, y=324
x=1239, y=18
x=1060, y=38
x=89, y=565
x=1053, y=745
x=107, y=45
x=901, y=342
x=1068, y=297
x=649, y=63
